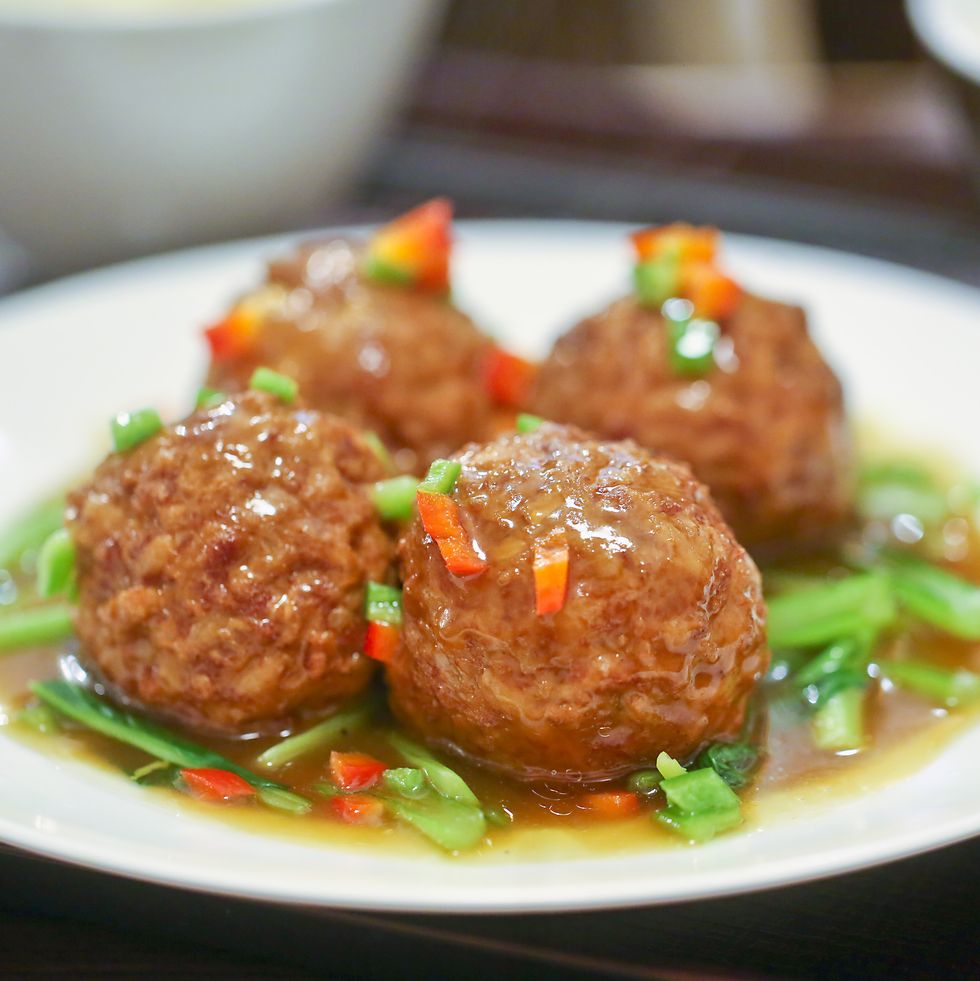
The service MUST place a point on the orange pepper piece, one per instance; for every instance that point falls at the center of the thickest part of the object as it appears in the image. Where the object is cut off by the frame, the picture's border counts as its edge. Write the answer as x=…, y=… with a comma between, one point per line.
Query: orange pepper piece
x=355, y=771
x=381, y=641
x=687, y=242
x=440, y=518
x=417, y=246
x=508, y=377
x=713, y=294
x=612, y=803
x=550, y=574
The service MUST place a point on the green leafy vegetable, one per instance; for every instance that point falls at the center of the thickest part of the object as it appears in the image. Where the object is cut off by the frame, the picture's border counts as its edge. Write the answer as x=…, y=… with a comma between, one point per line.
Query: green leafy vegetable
x=35, y=627
x=934, y=595
x=950, y=688
x=317, y=736
x=644, y=782
x=444, y=781
x=733, y=762
x=56, y=564
x=405, y=781
x=451, y=824
x=699, y=804
x=29, y=532
x=838, y=724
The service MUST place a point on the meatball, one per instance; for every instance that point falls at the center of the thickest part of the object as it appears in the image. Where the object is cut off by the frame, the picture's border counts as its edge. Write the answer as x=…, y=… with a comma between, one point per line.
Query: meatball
x=222, y=565
x=657, y=647
x=403, y=363
x=764, y=428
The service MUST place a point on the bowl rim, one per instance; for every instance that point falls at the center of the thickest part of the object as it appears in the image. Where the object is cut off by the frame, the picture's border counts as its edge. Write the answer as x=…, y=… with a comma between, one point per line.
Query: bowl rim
x=191, y=17
x=938, y=26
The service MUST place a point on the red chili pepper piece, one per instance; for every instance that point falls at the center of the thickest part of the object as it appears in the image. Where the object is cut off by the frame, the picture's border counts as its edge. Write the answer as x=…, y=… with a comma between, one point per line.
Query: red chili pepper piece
x=612, y=803
x=381, y=641
x=415, y=248
x=713, y=294
x=358, y=809
x=441, y=519
x=550, y=574
x=508, y=377
x=355, y=771
x=687, y=242
x=216, y=784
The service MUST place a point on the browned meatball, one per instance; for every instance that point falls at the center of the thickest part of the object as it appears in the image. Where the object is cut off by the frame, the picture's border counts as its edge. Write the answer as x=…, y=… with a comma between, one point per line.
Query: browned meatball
x=764, y=428
x=222, y=564
x=403, y=363
x=658, y=645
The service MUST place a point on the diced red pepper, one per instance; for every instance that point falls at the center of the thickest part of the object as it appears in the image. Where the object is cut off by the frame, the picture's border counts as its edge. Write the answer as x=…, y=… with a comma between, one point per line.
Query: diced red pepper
x=688, y=243
x=508, y=378
x=415, y=248
x=355, y=771
x=232, y=336
x=550, y=574
x=441, y=519
x=358, y=809
x=612, y=803
x=713, y=294
x=381, y=641
x=216, y=785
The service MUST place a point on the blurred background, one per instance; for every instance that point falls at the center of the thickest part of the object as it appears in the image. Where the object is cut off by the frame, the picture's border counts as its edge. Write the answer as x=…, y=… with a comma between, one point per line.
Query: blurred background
x=130, y=127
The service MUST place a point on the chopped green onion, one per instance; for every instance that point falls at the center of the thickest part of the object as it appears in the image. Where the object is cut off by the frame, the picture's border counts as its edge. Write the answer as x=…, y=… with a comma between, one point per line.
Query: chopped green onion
x=406, y=781
x=394, y=498
x=950, y=688
x=378, y=448
x=441, y=478
x=208, y=398
x=838, y=724
x=691, y=347
x=35, y=627
x=936, y=596
x=282, y=386
x=733, y=762
x=699, y=804
x=30, y=531
x=382, y=604
x=451, y=824
x=38, y=717
x=284, y=799
x=840, y=608
x=56, y=564
x=669, y=767
x=644, y=782
x=444, y=781
x=316, y=737
x=129, y=429
x=657, y=280
x=526, y=423
x=385, y=272
x=101, y=716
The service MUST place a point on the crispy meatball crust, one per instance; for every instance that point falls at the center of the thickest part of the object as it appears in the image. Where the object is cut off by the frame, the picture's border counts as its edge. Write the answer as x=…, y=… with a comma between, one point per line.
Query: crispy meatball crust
x=222, y=564
x=765, y=429
x=658, y=646
x=405, y=364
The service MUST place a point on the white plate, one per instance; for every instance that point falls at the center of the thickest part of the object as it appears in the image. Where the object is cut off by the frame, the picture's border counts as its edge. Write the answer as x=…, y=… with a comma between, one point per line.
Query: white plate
x=75, y=352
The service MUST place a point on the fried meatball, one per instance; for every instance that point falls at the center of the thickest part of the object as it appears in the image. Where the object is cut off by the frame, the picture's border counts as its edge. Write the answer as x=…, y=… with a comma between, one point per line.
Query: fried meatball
x=222, y=565
x=657, y=647
x=764, y=428
x=403, y=363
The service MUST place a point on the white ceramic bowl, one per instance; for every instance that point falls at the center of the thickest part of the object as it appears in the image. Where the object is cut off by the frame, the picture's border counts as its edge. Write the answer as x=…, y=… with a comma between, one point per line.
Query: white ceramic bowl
x=126, y=133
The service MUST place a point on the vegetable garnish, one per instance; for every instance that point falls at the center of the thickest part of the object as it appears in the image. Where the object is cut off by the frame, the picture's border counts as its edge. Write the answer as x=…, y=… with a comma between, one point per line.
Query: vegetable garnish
x=394, y=498
x=441, y=519
x=441, y=478
x=414, y=250
x=405, y=781
x=282, y=386
x=56, y=565
x=699, y=805
x=733, y=762
x=29, y=532
x=690, y=341
x=444, y=781
x=934, y=595
x=355, y=771
x=318, y=736
x=208, y=398
x=216, y=785
x=94, y=713
x=508, y=377
x=383, y=611
x=129, y=429
x=646, y=783
x=526, y=423
x=886, y=490
x=234, y=335
x=669, y=767
x=35, y=627
x=838, y=724
x=611, y=803
x=376, y=445
x=550, y=566
x=949, y=688
x=358, y=809
x=679, y=261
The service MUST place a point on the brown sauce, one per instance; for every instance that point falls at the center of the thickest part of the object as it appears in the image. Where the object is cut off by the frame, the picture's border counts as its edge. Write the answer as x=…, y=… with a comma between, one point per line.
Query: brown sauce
x=905, y=731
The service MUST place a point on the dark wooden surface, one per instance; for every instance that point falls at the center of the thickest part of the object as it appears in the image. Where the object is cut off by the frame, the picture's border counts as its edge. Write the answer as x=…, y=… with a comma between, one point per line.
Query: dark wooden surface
x=889, y=196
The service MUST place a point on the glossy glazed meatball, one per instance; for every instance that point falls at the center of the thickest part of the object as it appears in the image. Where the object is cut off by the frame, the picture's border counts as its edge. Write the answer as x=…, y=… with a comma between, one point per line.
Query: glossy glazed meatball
x=222, y=564
x=657, y=647
x=405, y=364
x=764, y=428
